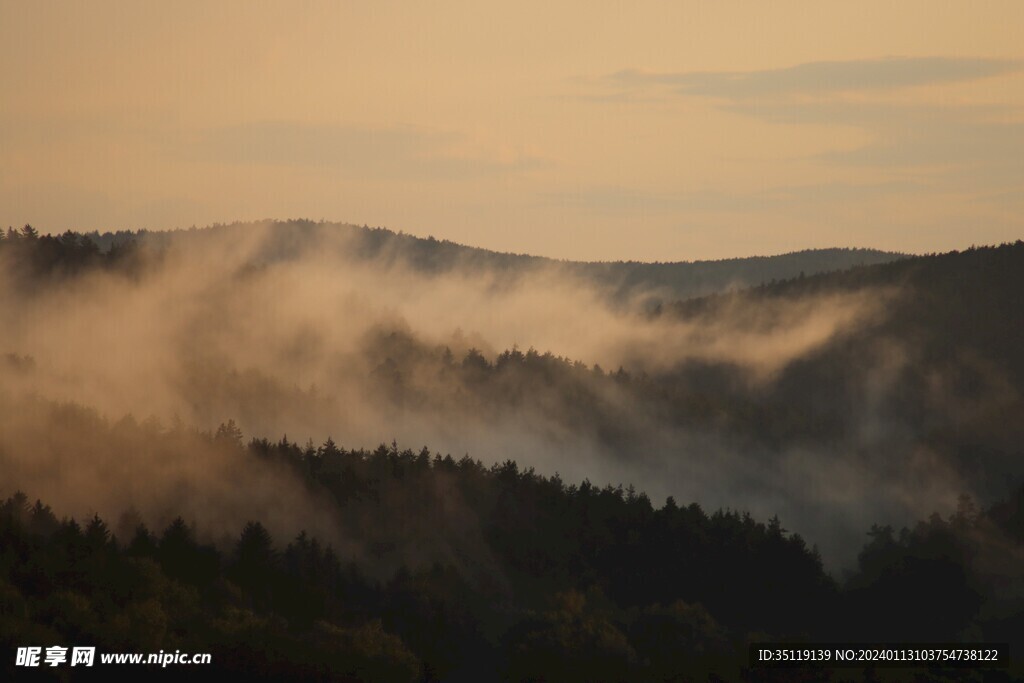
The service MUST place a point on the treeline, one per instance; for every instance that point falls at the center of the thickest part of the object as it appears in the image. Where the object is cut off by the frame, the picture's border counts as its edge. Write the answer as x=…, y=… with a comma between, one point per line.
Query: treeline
x=31, y=260
x=568, y=582
x=672, y=280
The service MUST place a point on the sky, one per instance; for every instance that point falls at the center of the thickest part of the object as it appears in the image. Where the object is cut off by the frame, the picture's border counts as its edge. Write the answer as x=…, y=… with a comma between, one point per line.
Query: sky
x=585, y=130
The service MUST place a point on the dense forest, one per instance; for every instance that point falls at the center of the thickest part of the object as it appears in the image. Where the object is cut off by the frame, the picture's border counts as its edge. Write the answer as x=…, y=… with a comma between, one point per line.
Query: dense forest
x=547, y=581
x=800, y=432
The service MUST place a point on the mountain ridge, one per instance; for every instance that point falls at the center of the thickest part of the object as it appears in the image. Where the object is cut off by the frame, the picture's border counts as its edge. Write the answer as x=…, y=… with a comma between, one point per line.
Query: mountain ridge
x=623, y=278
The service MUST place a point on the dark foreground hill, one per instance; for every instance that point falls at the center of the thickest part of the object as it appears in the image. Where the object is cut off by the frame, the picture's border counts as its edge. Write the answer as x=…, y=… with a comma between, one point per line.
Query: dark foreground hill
x=545, y=581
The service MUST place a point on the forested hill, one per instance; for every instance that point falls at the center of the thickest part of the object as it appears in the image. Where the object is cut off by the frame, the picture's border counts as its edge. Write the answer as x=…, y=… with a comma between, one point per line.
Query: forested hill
x=935, y=365
x=953, y=307
x=518, y=577
x=928, y=357
x=828, y=406
x=670, y=280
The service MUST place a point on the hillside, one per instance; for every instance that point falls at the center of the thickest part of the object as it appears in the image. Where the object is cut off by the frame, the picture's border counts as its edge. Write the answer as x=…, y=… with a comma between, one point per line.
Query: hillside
x=936, y=366
x=157, y=388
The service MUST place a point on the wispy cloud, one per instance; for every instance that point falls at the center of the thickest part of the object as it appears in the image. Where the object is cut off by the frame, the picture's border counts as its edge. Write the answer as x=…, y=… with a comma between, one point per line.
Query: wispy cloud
x=958, y=144
x=821, y=77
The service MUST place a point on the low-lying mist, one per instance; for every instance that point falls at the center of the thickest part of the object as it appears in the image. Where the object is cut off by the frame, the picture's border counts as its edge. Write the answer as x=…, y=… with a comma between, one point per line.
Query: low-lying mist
x=314, y=342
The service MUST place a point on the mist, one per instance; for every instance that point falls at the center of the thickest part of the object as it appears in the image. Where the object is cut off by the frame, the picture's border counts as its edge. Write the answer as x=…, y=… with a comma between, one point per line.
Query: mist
x=310, y=339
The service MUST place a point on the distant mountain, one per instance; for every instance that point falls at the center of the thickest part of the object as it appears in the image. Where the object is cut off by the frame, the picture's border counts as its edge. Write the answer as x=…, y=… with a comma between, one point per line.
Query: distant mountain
x=668, y=281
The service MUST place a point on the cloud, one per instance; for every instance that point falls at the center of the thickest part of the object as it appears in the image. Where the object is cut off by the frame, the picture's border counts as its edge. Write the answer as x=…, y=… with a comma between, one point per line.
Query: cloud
x=966, y=143
x=822, y=77
x=935, y=147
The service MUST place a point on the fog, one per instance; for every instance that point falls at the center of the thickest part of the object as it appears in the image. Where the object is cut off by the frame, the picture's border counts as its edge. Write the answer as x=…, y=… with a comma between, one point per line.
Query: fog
x=312, y=341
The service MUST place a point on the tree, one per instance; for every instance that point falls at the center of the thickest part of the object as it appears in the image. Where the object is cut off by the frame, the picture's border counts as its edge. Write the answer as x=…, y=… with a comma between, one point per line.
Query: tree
x=255, y=564
x=229, y=433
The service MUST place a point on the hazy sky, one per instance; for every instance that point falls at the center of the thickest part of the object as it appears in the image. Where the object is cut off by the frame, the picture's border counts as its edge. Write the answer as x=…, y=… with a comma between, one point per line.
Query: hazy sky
x=593, y=130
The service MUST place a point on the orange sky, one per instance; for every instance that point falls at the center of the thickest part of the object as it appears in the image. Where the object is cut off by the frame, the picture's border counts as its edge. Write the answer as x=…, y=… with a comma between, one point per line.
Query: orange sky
x=590, y=130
